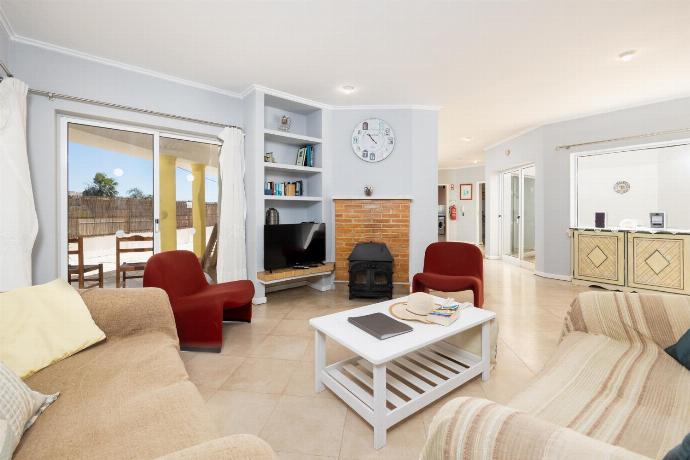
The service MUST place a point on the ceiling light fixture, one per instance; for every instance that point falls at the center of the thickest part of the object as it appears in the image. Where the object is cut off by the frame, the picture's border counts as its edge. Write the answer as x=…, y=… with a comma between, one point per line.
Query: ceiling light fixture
x=626, y=56
x=475, y=162
x=466, y=138
x=347, y=89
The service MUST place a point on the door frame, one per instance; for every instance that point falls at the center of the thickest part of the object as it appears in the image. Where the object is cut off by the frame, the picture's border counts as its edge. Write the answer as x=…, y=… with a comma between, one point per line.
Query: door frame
x=478, y=212
x=521, y=209
x=63, y=169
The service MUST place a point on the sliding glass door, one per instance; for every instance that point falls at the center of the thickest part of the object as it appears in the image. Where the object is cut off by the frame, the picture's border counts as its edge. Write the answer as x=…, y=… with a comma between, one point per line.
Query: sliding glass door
x=518, y=215
x=131, y=192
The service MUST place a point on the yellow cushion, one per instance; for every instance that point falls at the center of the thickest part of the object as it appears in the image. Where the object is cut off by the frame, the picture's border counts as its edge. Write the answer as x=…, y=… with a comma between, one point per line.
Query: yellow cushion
x=41, y=325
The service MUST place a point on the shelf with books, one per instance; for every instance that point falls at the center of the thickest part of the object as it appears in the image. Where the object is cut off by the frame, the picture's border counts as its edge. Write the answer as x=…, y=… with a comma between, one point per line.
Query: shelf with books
x=292, y=198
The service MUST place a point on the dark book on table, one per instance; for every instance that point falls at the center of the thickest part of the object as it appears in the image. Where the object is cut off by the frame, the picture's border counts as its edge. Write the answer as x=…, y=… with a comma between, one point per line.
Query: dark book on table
x=379, y=325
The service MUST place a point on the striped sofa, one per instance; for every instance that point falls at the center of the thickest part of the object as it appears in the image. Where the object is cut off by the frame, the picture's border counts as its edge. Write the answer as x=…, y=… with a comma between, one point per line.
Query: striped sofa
x=610, y=391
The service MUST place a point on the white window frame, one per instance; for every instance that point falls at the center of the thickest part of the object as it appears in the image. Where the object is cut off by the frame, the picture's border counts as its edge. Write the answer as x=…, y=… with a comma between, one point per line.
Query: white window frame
x=63, y=208
x=575, y=156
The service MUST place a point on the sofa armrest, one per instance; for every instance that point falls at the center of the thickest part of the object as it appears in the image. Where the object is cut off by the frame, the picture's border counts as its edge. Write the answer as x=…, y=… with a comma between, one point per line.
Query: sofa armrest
x=124, y=312
x=473, y=428
x=235, y=447
x=661, y=318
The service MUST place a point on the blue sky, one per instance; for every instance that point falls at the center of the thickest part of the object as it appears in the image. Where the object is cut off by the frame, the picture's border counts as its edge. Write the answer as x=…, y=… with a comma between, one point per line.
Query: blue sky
x=85, y=161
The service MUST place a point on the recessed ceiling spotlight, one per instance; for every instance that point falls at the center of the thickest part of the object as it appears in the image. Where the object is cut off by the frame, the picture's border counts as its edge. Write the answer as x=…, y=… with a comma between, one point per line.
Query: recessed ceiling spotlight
x=626, y=56
x=347, y=89
x=466, y=138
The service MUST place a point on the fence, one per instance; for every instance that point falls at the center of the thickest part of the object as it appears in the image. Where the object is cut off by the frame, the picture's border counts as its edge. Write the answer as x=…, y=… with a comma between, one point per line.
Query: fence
x=97, y=216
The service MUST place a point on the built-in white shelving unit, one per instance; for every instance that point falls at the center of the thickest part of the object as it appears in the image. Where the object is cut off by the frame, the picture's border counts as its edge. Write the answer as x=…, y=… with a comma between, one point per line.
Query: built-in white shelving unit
x=263, y=112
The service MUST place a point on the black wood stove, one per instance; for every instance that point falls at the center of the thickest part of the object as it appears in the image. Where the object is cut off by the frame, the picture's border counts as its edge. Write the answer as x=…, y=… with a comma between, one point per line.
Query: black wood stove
x=371, y=271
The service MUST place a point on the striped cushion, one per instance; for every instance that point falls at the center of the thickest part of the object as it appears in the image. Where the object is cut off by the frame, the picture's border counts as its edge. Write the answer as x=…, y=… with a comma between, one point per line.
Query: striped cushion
x=473, y=428
x=19, y=409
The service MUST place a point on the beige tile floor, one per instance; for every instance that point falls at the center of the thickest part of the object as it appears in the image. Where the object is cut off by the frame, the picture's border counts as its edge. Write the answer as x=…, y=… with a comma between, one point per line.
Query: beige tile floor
x=262, y=381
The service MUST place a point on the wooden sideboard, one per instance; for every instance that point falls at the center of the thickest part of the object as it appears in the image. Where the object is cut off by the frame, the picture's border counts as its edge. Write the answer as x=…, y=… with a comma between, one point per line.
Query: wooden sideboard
x=632, y=260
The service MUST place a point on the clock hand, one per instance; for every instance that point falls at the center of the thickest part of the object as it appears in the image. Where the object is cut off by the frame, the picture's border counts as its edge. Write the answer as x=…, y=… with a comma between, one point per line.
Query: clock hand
x=371, y=138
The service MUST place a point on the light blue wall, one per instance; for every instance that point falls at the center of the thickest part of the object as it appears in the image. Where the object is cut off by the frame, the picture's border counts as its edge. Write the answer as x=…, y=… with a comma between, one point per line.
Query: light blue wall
x=53, y=71
x=553, y=166
x=411, y=169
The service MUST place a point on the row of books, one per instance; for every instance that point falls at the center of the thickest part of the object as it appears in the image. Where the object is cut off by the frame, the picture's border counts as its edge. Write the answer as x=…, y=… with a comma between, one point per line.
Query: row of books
x=305, y=156
x=284, y=188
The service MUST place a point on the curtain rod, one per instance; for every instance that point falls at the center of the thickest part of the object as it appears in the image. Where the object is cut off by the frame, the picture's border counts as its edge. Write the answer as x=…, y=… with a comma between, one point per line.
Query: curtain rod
x=51, y=95
x=625, y=138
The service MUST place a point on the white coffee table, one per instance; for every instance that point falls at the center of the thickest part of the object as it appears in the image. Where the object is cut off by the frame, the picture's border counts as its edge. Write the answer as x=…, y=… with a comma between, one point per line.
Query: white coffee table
x=391, y=379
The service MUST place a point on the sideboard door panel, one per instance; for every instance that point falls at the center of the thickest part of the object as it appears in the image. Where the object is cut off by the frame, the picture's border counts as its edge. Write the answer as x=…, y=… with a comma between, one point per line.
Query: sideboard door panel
x=599, y=256
x=658, y=262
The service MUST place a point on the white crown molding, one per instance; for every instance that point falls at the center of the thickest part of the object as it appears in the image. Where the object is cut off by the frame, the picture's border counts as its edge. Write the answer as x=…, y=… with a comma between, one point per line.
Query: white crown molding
x=5, y=23
x=283, y=95
x=434, y=108
x=111, y=62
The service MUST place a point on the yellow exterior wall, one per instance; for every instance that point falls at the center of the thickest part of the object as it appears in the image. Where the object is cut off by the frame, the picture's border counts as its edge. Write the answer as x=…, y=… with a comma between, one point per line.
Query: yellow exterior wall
x=199, y=208
x=168, y=203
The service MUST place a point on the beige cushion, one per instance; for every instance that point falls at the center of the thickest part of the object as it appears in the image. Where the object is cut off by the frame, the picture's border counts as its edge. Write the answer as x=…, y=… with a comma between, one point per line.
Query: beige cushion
x=42, y=325
x=19, y=408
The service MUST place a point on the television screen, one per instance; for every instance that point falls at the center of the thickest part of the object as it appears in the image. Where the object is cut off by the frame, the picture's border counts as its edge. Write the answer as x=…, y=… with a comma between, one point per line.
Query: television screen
x=291, y=245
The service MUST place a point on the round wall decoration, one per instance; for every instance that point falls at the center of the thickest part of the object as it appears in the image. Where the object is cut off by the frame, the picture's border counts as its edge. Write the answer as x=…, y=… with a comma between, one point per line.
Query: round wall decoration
x=622, y=186
x=373, y=140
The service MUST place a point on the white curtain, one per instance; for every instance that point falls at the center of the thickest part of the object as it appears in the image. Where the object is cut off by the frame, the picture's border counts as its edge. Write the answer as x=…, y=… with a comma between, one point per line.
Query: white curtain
x=18, y=222
x=232, y=246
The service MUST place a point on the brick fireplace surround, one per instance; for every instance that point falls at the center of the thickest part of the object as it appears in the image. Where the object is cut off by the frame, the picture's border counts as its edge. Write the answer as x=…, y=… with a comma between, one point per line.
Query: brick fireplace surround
x=379, y=220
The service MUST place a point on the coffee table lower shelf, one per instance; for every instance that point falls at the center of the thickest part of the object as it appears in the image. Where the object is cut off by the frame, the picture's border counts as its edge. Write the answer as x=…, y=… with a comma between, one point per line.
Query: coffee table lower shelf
x=411, y=382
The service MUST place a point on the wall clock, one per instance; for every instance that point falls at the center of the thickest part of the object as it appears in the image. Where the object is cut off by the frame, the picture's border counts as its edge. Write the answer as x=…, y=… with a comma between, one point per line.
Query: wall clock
x=373, y=140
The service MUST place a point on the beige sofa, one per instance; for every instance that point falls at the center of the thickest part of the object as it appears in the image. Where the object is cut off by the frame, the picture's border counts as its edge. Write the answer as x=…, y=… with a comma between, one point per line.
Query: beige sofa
x=610, y=391
x=129, y=397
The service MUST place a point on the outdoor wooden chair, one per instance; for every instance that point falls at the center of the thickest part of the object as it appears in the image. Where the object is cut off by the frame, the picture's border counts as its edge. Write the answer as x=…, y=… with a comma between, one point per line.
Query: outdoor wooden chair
x=79, y=272
x=130, y=270
x=209, y=259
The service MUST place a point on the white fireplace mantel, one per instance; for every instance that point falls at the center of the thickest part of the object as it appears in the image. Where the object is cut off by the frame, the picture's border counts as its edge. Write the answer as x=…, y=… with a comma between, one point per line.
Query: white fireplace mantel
x=373, y=197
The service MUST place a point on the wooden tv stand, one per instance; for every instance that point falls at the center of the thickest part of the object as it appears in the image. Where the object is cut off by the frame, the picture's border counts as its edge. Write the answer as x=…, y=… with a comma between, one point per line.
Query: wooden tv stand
x=291, y=274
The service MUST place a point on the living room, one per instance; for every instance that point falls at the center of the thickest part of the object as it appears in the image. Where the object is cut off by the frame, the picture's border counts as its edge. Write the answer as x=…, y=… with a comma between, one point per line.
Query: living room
x=203, y=210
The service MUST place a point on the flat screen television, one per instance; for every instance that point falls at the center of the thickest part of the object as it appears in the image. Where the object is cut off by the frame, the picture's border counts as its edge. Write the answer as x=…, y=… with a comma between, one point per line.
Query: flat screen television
x=294, y=245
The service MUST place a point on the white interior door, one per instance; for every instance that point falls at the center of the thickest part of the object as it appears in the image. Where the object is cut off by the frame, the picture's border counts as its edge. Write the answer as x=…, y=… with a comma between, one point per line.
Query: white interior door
x=518, y=215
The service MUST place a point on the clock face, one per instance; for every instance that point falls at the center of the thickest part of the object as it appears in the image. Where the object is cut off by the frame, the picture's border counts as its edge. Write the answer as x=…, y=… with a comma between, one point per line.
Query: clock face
x=373, y=140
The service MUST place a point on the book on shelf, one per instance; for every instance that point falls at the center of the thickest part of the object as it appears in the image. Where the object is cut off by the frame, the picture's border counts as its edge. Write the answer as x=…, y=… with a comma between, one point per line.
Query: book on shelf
x=305, y=156
x=284, y=188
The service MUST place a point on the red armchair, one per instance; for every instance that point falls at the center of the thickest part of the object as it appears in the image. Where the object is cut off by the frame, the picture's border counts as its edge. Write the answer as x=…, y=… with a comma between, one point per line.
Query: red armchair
x=199, y=308
x=452, y=267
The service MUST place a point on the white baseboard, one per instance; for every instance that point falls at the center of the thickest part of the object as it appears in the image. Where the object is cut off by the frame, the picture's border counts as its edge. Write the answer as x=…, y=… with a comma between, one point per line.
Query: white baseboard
x=493, y=257
x=554, y=276
x=259, y=300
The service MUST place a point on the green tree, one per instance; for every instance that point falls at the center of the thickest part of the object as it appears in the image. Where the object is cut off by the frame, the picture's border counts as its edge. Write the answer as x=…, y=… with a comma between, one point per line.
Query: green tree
x=102, y=185
x=138, y=194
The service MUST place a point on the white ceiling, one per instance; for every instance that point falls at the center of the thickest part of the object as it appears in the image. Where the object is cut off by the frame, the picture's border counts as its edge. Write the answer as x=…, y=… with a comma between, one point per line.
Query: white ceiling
x=496, y=67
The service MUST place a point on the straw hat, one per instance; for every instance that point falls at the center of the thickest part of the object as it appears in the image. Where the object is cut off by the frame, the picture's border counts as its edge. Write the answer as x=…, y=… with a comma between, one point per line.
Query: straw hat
x=416, y=307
